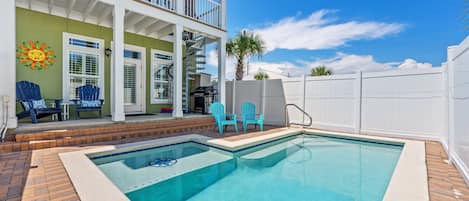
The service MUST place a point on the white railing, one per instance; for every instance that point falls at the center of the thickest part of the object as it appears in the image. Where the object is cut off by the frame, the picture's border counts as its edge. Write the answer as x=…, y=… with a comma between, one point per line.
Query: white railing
x=206, y=11
x=166, y=4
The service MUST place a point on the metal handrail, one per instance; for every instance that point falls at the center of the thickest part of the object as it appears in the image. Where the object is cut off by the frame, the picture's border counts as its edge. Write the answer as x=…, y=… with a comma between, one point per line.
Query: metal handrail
x=288, y=123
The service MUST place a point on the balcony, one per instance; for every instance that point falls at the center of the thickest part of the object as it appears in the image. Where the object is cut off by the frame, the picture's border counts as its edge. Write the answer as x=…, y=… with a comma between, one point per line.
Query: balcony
x=209, y=12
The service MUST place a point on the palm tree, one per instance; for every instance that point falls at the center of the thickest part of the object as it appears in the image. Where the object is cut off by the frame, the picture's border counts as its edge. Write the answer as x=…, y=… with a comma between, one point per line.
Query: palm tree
x=261, y=76
x=243, y=46
x=321, y=71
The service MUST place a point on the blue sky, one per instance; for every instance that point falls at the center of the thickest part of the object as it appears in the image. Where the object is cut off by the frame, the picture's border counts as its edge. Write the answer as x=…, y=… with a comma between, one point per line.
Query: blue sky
x=344, y=33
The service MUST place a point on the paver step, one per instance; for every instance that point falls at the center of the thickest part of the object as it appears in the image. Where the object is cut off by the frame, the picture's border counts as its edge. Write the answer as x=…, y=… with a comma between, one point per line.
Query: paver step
x=122, y=136
x=88, y=139
x=130, y=127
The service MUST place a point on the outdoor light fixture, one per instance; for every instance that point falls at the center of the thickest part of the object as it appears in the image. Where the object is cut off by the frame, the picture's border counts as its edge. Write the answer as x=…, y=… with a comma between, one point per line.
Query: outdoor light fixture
x=108, y=51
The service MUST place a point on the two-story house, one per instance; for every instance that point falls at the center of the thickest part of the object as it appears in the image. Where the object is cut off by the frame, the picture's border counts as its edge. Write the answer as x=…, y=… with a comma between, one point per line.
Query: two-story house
x=140, y=53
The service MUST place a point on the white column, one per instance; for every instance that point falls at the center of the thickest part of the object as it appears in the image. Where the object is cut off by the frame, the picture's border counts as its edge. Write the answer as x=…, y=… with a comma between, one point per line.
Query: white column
x=222, y=69
x=117, y=81
x=358, y=102
x=8, y=58
x=177, y=71
x=223, y=14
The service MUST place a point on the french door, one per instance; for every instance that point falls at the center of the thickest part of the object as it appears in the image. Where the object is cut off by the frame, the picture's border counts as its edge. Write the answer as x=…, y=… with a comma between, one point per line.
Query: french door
x=134, y=80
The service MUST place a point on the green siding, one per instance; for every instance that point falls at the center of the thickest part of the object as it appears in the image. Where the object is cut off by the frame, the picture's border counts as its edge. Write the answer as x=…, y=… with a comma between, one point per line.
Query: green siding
x=46, y=28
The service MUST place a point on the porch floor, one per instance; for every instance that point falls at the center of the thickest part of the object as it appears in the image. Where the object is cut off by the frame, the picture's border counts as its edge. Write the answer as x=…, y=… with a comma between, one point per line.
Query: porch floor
x=47, y=124
x=39, y=174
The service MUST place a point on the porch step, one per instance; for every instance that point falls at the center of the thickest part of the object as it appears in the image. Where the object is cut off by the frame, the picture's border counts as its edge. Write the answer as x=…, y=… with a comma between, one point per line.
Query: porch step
x=127, y=129
x=117, y=137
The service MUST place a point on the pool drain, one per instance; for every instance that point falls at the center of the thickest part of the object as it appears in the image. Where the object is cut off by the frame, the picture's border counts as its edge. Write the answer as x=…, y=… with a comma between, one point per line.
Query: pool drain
x=163, y=162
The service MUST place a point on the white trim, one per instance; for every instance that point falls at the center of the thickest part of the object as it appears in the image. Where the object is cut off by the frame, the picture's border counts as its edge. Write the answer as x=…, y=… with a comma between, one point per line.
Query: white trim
x=153, y=62
x=66, y=49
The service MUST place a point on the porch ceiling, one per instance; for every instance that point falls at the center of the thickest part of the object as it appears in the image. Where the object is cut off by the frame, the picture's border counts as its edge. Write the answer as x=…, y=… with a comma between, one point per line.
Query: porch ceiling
x=99, y=13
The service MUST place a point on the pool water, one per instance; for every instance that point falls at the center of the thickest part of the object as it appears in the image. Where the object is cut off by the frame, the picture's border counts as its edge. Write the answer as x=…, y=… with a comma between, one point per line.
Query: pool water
x=304, y=167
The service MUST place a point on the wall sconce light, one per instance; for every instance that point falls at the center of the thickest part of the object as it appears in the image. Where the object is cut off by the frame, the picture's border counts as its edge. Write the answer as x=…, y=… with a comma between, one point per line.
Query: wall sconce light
x=108, y=52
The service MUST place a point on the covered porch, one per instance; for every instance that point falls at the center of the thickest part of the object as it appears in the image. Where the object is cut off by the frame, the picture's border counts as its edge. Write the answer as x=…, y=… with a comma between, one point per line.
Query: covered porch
x=132, y=39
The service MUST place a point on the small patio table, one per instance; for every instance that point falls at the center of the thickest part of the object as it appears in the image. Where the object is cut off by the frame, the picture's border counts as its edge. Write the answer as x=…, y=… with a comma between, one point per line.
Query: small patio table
x=65, y=113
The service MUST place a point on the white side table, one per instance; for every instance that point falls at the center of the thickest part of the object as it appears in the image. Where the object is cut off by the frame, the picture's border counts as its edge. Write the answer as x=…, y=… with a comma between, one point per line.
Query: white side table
x=65, y=113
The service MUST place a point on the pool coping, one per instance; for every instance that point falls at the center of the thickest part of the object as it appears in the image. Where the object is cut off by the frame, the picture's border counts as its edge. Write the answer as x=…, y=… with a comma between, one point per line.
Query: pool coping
x=408, y=183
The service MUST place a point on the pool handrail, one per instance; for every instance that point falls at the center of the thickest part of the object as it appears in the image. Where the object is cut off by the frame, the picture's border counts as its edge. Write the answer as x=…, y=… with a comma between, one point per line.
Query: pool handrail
x=288, y=123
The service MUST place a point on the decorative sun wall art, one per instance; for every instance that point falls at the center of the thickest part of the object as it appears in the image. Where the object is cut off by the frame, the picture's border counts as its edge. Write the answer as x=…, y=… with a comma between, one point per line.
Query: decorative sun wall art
x=35, y=55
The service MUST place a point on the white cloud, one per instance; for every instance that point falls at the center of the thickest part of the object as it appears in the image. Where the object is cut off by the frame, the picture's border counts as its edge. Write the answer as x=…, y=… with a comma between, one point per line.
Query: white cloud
x=341, y=63
x=412, y=64
x=319, y=31
x=350, y=63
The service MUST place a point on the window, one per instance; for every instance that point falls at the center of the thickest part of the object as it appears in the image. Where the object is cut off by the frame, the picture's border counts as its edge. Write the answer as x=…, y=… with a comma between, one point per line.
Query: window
x=132, y=54
x=83, y=59
x=160, y=84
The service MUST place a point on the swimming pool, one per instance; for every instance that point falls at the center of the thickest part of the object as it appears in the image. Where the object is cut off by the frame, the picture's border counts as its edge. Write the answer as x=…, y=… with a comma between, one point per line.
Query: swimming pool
x=301, y=167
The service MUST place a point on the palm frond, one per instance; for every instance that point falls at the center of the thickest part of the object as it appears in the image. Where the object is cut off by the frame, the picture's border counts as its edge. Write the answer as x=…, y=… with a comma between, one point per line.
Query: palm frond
x=245, y=45
x=321, y=71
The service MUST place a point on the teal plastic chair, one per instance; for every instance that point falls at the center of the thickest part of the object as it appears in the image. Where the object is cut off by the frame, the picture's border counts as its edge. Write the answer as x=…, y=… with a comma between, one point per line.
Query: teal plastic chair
x=218, y=112
x=248, y=114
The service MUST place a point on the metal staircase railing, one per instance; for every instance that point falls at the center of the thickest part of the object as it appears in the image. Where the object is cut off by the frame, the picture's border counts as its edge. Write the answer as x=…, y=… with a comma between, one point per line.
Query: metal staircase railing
x=287, y=121
x=194, y=61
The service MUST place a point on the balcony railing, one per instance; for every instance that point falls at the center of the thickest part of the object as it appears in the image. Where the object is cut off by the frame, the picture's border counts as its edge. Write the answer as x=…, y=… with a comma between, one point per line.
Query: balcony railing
x=205, y=11
x=166, y=4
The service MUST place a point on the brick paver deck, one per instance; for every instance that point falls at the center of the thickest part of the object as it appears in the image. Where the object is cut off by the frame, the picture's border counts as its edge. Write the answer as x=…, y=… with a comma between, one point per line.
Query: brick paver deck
x=39, y=175
x=445, y=182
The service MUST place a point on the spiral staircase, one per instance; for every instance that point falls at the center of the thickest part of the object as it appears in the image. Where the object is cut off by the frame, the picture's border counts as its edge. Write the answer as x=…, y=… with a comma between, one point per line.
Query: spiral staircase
x=194, y=61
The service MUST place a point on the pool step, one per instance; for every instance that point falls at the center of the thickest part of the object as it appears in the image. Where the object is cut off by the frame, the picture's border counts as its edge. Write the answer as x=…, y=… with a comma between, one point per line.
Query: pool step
x=270, y=156
x=129, y=179
x=132, y=129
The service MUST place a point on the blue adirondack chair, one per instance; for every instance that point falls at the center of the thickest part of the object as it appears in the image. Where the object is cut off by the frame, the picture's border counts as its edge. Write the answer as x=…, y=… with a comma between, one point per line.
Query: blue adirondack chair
x=29, y=96
x=89, y=100
x=248, y=115
x=218, y=112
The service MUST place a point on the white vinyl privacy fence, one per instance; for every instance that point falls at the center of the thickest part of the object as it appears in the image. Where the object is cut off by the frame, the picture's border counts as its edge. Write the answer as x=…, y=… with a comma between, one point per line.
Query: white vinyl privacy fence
x=458, y=75
x=428, y=104
x=402, y=103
